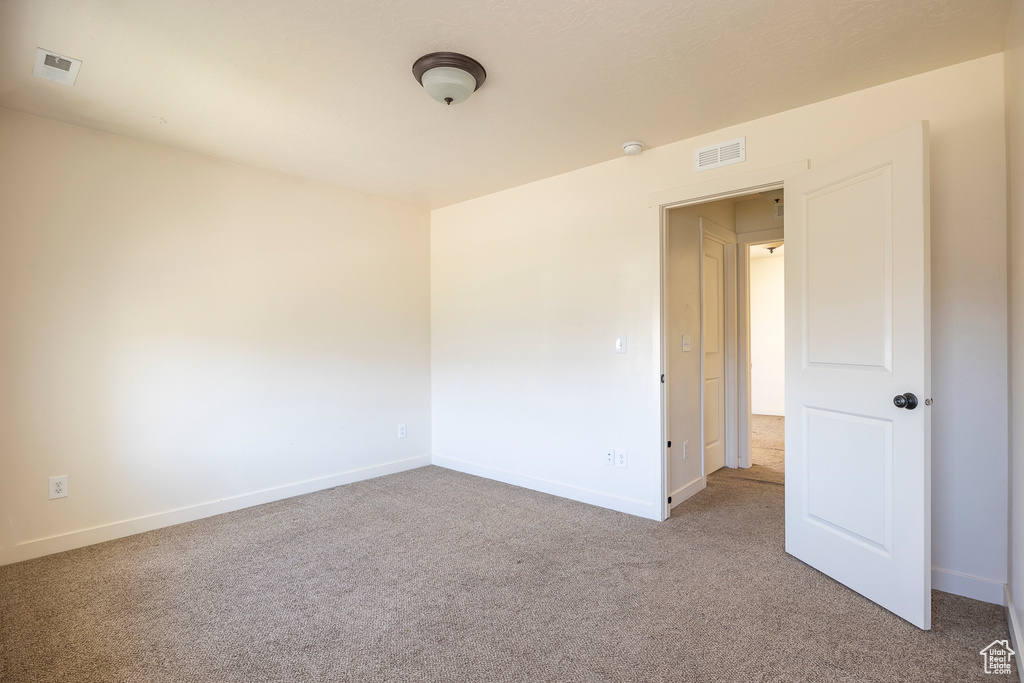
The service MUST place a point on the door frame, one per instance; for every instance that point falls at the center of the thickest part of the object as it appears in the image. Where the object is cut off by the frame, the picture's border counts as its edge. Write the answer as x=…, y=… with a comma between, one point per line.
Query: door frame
x=744, y=348
x=729, y=344
x=725, y=187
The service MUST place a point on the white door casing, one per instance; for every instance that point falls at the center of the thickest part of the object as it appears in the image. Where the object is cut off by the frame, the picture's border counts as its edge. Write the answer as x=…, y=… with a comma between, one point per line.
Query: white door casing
x=718, y=345
x=858, y=496
x=744, y=345
x=713, y=348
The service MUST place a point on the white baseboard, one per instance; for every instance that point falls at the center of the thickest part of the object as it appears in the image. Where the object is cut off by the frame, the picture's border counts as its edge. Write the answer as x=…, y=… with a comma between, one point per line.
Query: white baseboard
x=685, y=492
x=768, y=411
x=1014, y=624
x=108, y=532
x=630, y=506
x=969, y=586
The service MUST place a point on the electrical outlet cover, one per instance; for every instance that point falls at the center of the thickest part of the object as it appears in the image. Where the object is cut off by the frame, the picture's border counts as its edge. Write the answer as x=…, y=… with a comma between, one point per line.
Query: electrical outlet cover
x=59, y=487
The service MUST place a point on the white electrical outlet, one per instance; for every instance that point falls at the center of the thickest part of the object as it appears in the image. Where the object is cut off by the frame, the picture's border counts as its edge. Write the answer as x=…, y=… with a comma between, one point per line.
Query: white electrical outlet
x=59, y=487
x=686, y=342
x=621, y=459
x=609, y=458
x=401, y=431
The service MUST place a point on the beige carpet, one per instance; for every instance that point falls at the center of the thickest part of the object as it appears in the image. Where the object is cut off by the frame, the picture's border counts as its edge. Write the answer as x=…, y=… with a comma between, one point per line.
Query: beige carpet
x=767, y=450
x=768, y=442
x=432, y=575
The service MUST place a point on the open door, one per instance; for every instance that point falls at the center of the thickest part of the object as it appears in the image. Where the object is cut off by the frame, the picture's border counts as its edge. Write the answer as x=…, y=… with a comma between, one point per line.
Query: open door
x=718, y=345
x=858, y=452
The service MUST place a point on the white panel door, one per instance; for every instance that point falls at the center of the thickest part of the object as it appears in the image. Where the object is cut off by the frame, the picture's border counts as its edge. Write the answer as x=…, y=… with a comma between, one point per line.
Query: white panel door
x=858, y=503
x=713, y=338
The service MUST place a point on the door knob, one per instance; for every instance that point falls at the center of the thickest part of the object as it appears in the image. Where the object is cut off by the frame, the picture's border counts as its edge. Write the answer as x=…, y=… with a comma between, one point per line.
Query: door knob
x=907, y=400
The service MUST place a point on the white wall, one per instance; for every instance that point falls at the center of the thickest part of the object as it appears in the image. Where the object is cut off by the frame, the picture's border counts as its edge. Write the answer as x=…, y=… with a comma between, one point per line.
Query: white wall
x=530, y=286
x=768, y=335
x=1014, y=57
x=683, y=308
x=182, y=336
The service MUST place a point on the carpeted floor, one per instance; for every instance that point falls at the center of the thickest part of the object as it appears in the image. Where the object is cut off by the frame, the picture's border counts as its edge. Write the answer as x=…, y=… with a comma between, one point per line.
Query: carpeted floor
x=767, y=450
x=433, y=575
x=768, y=442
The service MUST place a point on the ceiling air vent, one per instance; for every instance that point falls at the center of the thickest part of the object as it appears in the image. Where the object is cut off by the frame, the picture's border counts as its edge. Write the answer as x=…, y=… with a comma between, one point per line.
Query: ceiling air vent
x=56, y=67
x=722, y=154
x=780, y=209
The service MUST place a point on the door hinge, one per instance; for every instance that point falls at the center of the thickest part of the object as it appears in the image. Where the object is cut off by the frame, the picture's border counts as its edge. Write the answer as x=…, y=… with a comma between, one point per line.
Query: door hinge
x=670, y=500
x=663, y=379
x=670, y=444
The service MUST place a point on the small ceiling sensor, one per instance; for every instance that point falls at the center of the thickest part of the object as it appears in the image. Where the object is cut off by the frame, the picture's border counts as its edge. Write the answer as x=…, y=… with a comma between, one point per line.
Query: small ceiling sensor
x=633, y=147
x=56, y=67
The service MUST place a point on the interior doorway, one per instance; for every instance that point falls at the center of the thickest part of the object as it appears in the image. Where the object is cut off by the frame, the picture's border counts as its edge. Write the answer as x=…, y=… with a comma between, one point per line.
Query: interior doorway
x=767, y=292
x=859, y=457
x=707, y=334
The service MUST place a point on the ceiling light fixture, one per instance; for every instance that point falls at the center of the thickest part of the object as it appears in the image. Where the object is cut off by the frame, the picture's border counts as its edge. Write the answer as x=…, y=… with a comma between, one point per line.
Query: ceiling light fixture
x=448, y=76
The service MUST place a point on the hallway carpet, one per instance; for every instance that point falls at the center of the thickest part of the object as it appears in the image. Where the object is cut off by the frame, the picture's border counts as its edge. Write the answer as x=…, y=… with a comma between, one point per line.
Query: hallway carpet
x=768, y=441
x=767, y=450
x=433, y=575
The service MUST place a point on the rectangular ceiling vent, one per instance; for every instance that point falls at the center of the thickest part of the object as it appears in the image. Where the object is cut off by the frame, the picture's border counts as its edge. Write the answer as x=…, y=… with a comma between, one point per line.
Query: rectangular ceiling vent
x=780, y=209
x=56, y=67
x=722, y=154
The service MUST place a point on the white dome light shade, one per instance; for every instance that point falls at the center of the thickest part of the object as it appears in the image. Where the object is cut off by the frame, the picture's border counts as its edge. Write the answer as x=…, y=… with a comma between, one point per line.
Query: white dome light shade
x=448, y=76
x=448, y=84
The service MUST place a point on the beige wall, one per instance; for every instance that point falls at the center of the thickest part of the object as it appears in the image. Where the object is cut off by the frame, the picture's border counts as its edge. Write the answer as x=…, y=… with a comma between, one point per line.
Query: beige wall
x=1014, y=57
x=768, y=334
x=530, y=286
x=756, y=214
x=181, y=336
x=683, y=258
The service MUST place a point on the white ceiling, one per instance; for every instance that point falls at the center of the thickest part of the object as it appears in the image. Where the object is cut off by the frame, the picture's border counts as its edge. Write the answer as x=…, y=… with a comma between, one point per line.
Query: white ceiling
x=323, y=88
